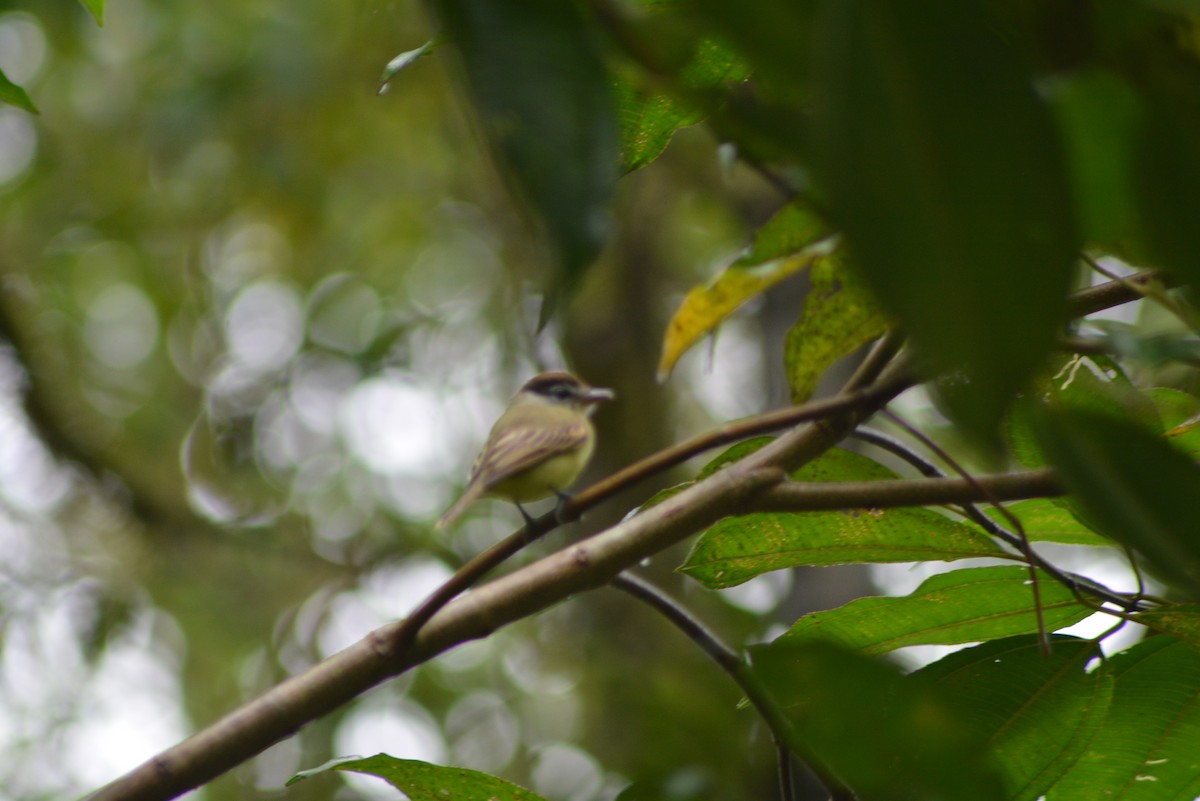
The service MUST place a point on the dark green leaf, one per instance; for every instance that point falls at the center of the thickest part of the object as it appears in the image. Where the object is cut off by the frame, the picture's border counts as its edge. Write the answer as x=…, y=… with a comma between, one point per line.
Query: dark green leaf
x=1094, y=382
x=1098, y=114
x=1181, y=621
x=1168, y=173
x=1147, y=746
x=421, y=781
x=14, y=95
x=886, y=737
x=972, y=605
x=737, y=549
x=840, y=315
x=1136, y=488
x=944, y=168
x=1038, y=714
x=546, y=102
x=1047, y=520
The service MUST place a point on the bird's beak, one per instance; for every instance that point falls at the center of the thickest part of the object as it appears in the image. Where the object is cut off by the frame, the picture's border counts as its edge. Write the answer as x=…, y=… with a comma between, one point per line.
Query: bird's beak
x=598, y=395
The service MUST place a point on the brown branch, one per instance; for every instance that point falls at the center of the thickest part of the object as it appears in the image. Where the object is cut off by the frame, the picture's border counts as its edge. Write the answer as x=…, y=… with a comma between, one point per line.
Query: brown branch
x=795, y=496
x=589, y=564
x=393, y=649
x=753, y=483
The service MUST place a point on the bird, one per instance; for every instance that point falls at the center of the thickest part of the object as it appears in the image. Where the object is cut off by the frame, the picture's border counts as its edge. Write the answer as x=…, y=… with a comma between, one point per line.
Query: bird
x=537, y=447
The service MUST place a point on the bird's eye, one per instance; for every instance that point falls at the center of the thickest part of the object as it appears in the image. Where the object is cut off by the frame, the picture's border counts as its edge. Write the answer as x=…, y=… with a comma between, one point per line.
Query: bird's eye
x=560, y=391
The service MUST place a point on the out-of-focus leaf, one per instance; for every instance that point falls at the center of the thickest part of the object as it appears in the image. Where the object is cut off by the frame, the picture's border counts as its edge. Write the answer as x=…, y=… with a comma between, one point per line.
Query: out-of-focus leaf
x=972, y=605
x=96, y=9
x=421, y=781
x=14, y=95
x=1168, y=185
x=1038, y=714
x=1134, y=486
x=885, y=736
x=737, y=549
x=647, y=122
x=403, y=62
x=1180, y=414
x=944, y=168
x=840, y=315
x=706, y=307
x=789, y=232
x=1094, y=382
x=1046, y=520
x=1146, y=748
x=1181, y=621
x=1098, y=114
x=1153, y=349
x=546, y=101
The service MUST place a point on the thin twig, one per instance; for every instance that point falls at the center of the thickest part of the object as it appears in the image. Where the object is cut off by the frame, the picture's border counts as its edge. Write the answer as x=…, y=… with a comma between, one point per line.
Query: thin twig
x=1035, y=585
x=971, y=511
x=729, y=661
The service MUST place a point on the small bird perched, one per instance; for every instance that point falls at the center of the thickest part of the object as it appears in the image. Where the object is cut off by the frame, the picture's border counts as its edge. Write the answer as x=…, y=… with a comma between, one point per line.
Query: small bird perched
x=538, y=447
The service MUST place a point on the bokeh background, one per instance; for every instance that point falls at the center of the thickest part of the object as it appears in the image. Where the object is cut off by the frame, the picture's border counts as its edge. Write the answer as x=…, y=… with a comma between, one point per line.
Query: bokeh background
x=256, y=320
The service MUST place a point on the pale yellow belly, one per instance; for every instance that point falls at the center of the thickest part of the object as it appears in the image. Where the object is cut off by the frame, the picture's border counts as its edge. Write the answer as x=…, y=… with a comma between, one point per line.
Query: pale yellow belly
x=544, y=480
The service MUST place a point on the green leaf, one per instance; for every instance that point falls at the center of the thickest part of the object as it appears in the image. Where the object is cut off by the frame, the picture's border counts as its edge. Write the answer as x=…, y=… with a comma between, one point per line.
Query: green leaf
x=980, y=603
x=648, y=121
x=1136, y=488
x=943, y=166
x=886, y=736
x=840, y=315
x=1168, y=185
x=737, y=549
x=1181, y=621
x=1095, y=382
x=1147, y=746
x=1047, y=520
x=96, y=8
x=546, y=102
x=792, y=231
x=421, y=781
x=1098, y=115
x=14, y=95
x=1038, y=714
x=1180, y=414
x=403, y=62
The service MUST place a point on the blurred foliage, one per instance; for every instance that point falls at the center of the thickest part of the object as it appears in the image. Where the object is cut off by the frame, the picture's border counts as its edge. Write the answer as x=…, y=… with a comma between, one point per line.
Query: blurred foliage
x=258, y=312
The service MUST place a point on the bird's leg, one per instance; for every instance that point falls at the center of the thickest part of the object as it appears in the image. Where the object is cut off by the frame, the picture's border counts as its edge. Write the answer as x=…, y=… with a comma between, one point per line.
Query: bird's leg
x=528, y=523
x=563, y=499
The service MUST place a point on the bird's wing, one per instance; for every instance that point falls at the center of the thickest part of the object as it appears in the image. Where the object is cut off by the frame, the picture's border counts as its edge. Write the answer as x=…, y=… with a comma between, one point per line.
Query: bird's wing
x=520, y=448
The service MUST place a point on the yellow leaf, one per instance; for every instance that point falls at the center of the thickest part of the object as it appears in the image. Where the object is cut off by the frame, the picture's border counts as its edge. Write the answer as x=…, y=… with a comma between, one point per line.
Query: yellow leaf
x=706, y=307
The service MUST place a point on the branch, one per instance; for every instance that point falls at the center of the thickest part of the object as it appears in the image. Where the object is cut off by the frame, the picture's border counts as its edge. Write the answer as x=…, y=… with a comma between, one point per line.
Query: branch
x=749, y=484
x=725, y=657
x=795, y=496
x=1073, y=581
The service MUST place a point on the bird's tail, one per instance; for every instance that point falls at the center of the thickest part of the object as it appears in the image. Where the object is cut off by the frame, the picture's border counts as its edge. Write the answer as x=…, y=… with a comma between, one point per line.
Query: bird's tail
x=472, y=494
